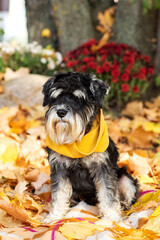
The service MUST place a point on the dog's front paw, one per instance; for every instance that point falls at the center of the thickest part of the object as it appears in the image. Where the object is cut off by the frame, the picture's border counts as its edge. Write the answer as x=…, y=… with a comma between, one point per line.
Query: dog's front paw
x=49, y=219
x=112, y=213
x=52, y=217
x=112, y=217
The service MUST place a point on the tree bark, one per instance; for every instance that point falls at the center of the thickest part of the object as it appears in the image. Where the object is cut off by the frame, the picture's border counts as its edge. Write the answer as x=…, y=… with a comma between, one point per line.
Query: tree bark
x=157, y=58
x=73, y=22
x=133, y=27
x=38, y=18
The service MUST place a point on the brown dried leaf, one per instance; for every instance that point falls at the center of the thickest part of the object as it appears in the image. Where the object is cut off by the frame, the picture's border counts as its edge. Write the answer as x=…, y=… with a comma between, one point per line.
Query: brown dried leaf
x=1, y=89
x=133, y=108
x=10, y=74
x=155, y=103
x=139, y=165
x=141, y=139
x=14, y=209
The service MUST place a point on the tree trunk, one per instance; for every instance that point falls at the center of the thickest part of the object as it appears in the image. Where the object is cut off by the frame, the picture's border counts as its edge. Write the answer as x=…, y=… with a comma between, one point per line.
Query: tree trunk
x=157, y=58
x=38, y=18
x=133, y=27
x=73, y=22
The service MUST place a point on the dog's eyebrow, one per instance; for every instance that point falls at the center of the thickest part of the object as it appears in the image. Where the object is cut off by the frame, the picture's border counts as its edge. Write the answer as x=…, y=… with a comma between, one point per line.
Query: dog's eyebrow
x=79, y=94
x=55, y=92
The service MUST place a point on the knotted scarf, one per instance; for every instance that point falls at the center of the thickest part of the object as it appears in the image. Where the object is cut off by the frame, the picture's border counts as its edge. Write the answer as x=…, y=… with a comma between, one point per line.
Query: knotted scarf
x=96, y=140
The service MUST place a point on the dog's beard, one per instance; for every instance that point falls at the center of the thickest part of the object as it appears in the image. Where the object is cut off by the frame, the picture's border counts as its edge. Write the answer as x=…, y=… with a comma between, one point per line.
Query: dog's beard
x=67, y=130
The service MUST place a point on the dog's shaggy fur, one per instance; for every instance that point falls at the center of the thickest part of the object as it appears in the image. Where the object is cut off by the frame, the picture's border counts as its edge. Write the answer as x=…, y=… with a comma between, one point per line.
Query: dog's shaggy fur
x=73, y=100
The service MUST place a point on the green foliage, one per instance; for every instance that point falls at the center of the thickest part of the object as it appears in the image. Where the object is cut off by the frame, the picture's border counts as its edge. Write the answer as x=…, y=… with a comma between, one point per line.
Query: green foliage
x=33, y=56
x=149, y=4
x=158, y=80
x=2, y=68
x=1, y=32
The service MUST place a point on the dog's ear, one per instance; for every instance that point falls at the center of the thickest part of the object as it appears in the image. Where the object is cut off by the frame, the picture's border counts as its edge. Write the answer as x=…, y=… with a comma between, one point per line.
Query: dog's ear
x=46, y=90
x=99, y=89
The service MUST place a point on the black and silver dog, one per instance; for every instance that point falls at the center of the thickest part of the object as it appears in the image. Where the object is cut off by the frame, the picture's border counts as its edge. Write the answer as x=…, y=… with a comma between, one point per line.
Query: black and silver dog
x=73, y=100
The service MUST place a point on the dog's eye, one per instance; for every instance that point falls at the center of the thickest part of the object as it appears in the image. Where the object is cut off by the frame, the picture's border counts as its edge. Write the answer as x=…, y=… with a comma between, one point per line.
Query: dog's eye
x=79, y=94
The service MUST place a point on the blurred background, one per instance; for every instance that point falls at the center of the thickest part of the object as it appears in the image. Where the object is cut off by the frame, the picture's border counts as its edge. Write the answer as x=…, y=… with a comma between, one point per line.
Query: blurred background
x=125, y=39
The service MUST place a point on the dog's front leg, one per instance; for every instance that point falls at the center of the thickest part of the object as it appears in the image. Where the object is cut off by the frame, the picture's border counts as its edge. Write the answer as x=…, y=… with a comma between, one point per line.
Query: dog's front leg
x=61, y=193
x=107, y=192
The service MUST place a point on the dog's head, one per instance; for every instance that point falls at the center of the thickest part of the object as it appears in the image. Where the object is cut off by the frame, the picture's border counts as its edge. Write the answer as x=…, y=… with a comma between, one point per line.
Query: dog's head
x=73, y=100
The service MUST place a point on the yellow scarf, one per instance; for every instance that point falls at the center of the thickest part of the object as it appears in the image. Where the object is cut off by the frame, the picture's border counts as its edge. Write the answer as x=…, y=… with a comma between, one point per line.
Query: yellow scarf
x=96, y=140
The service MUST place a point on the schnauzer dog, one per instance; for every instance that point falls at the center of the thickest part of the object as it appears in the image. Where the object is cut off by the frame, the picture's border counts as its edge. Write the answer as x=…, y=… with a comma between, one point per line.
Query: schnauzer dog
x=74, y=100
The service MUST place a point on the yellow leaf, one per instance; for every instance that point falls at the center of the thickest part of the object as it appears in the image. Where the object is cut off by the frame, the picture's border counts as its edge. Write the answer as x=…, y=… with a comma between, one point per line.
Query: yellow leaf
x=156, y=212
x=32, y=124
x=138, y=206
x=106, y=21
x=101, y=18
x=122, y=233
x=108, y=16
x=146, y=179
x=153, y=224
x=100, y=29
x=8, y=153
x=79, y=230
x=18, y=123
x=4, y=109
x=46, y=32
x=150, y=126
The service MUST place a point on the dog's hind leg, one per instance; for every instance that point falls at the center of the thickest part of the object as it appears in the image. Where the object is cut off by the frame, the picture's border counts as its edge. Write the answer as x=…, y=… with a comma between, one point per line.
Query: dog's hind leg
x=107, y=192
x=128, y=188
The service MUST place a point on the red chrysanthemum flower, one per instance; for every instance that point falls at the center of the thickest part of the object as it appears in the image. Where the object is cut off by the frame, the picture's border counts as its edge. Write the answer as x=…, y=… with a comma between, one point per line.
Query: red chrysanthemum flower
x=70, y=64
x=115, y=64
x=114, y=80
x=142, y=76
x=86, y=51
x=103, y=51
x=118, y=50
x=103, y=57
x=125, y=87
x=146, y=58
x=135, y=89
x=143, y=70
x=99, y=70
x=83, y=68
x=135, y=75
x=92, y=65
x=130, y=66
x=115, y=73
x=86, y=59
x=150, y=70
x=125, y=77
x=89, y=43
x=106, y=67
x=128, y=59
x=128, y=71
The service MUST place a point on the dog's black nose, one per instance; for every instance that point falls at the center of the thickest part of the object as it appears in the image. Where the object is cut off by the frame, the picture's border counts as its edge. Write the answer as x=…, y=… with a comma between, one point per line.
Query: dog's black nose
x=61, y=113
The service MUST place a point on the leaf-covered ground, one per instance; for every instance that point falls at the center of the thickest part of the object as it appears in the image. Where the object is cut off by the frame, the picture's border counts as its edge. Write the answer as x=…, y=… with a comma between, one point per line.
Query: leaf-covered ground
x=25, y=182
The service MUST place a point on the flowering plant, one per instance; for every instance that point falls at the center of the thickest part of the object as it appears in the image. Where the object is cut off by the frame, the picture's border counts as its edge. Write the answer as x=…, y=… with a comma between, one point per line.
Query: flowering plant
x=124, y=68
x=38, y=59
